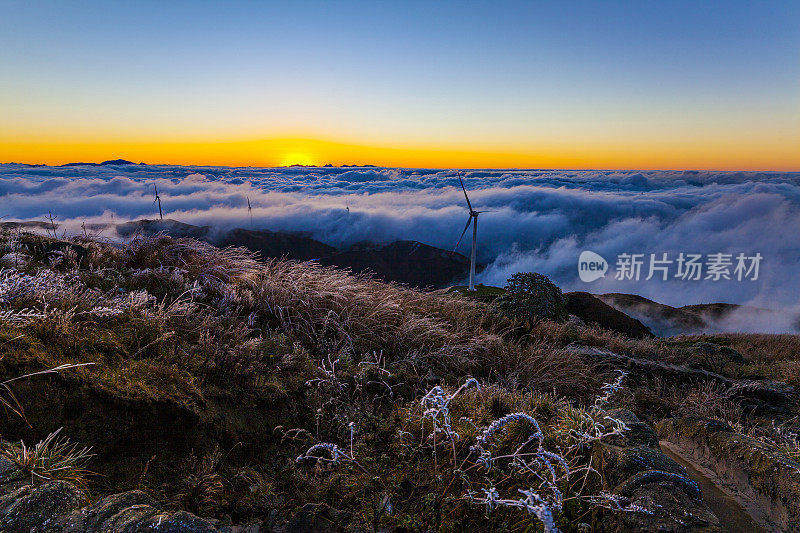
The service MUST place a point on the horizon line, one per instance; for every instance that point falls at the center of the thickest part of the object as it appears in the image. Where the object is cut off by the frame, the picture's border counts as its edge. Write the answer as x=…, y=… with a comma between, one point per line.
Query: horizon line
x=370, y=165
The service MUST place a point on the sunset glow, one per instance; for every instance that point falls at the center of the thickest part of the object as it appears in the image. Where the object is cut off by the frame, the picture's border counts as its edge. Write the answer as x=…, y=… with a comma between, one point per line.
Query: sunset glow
x=607, y=85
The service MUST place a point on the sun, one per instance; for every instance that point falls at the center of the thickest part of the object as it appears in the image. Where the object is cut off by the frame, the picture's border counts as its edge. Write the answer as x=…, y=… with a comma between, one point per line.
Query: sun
x=297, y=158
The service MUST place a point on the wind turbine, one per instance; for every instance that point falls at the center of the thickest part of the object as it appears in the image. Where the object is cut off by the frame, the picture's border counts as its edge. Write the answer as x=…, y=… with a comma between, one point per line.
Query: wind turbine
x=250, y=211
x=473, y=218
x=158, y=199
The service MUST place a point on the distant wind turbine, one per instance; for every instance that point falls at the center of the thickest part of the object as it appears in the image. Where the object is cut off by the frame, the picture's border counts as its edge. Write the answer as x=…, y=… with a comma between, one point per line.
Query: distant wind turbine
x=473, y=218
x=158, y=199
x=250, y=211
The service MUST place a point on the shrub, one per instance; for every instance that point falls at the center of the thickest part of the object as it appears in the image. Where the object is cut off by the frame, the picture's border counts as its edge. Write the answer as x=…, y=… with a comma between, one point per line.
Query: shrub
x=533, y=297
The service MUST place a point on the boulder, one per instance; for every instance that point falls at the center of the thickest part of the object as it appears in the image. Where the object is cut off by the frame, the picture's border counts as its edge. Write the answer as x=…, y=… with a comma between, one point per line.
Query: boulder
x=617, y=464
x=656, y=490
x=32, y=508
x=317, y=518
x=93, y=517
x=9, y=471
x=672, y=507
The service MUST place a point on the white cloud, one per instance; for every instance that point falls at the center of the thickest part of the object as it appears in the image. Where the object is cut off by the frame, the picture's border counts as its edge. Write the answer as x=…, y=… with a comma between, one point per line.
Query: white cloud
x=543, y=219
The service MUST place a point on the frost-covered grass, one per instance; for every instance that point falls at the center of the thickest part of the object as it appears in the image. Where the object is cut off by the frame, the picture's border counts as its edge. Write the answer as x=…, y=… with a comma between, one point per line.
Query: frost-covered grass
x=256, y=387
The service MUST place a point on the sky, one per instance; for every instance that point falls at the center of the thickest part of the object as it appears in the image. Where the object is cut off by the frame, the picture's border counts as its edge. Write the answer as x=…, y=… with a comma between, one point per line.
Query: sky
x=625, y=85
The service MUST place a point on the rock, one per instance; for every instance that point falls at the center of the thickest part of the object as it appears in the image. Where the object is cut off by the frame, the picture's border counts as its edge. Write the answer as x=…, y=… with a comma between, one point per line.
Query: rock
x=617, y=464
x=713, y=357
x=130, y=520
x=9, y=471
x=32, y=508
x=180, y=522
x=317, y=518
x=92, y=518
x=764, y=396
x=147, y=518
x=635, y=470
x=761, y=397
x=629, y=487
x=669, y=509
x=637, y=434
x=763, y=479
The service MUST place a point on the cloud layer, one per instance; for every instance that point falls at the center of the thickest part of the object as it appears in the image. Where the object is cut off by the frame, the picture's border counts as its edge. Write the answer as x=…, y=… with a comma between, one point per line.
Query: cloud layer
x=542, y=219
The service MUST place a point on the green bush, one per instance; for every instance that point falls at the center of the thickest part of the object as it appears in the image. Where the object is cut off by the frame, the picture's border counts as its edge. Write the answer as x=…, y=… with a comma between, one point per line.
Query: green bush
x=533, y=297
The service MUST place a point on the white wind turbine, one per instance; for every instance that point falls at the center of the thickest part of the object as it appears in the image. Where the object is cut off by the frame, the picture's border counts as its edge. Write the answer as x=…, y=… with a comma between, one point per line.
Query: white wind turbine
x=473, y=218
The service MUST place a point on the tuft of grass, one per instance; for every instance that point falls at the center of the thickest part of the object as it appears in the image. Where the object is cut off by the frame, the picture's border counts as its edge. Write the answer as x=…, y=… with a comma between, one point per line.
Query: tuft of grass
x=54, y=457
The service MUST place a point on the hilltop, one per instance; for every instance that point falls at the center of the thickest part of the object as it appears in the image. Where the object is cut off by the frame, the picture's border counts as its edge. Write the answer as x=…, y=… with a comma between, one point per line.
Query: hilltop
x=291, y=396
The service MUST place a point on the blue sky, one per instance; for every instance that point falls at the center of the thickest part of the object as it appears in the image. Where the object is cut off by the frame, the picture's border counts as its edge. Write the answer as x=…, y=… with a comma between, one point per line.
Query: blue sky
x=505, y=75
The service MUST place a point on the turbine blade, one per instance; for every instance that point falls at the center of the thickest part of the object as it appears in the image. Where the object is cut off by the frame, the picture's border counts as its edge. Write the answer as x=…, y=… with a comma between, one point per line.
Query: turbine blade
x=465, y=192
x=462, y=233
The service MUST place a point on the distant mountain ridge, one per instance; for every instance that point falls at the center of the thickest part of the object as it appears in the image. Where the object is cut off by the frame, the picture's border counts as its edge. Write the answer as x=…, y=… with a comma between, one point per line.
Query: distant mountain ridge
x=408, y=262
x=665, y=320
x=103, y=164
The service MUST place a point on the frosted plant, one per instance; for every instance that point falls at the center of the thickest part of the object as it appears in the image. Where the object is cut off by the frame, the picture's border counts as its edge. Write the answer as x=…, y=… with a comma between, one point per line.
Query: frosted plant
x=500, y=423
x=436, y=405
x=335, y=455
x=531, y=502
x=615, y=502
x=331, y=449
x=60, y=297
x=609, y=389
x=21, y=317
x=327, y=368
x=532, y=459
x=491, y=498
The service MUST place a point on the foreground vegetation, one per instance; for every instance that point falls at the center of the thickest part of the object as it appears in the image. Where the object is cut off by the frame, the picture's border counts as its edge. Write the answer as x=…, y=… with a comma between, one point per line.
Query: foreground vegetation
x=238, y=389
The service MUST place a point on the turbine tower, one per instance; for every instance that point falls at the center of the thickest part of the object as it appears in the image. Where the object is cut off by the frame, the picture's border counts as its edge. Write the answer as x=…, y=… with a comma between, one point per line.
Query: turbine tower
x=473, y=218
x=158, y=199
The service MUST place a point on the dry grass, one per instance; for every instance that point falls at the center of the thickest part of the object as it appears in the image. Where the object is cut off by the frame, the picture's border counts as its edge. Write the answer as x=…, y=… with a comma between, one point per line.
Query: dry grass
x=54, y=457
x=757, y=348
x=247, y=346
x=776, y=356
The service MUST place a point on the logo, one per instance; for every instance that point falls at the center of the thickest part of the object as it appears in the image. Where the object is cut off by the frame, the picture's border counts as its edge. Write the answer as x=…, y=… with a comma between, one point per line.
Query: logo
x=591, y=266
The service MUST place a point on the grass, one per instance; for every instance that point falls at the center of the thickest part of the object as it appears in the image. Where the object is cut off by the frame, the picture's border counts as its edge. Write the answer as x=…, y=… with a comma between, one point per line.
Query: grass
x=54, y=457
x=482, y=292
x=213, y=372
x=775, y=356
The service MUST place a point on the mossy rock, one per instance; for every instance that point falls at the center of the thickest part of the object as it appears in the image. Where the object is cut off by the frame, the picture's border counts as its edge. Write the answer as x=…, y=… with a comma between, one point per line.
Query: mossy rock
x=93, y=517
x=669, y=508
x=638, y=433
x=617, y=464
x=31, y=508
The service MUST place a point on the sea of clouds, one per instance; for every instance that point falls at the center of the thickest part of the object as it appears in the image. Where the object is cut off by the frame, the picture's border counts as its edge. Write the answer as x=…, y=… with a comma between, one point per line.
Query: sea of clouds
x=541, y=219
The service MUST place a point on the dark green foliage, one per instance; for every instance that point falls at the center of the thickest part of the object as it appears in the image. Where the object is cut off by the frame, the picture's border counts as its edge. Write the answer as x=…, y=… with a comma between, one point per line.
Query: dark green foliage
x=532, y=297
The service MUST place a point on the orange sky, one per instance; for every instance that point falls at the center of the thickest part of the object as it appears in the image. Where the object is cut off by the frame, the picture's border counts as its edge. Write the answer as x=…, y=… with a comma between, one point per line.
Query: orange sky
x=644, y=154
x=623, y=85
